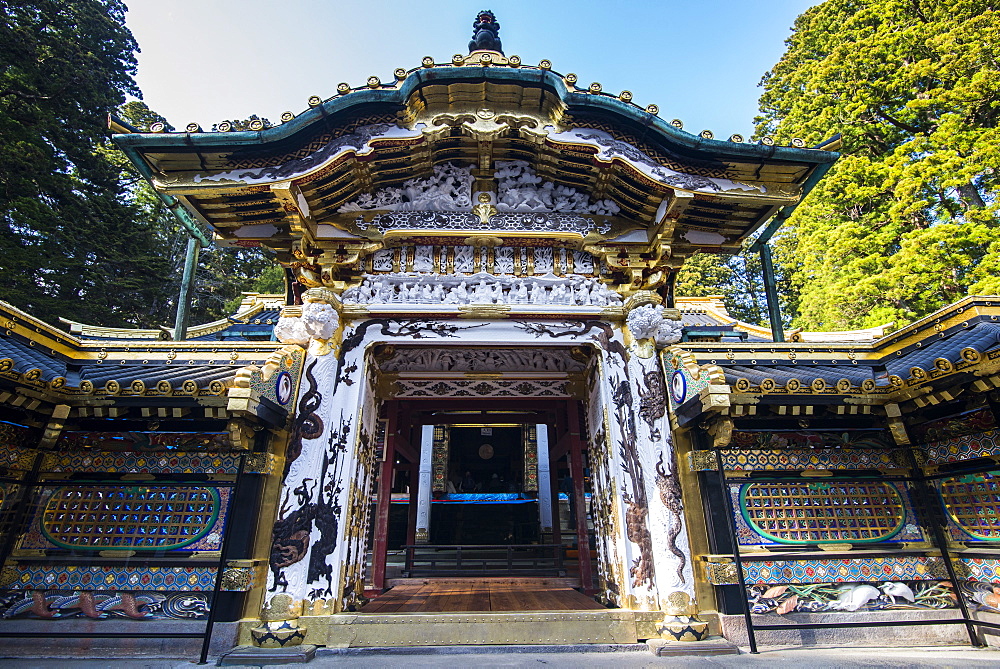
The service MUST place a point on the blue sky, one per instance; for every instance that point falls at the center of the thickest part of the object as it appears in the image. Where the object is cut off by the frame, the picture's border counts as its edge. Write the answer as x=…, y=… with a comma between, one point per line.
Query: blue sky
x=211, y=60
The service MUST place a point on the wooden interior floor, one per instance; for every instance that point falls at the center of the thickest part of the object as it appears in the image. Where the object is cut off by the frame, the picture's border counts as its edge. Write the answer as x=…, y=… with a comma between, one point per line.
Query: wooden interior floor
x=455, y=596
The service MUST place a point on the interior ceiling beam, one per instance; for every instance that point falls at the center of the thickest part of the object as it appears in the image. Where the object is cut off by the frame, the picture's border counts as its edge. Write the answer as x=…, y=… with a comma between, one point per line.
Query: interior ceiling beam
x=483, y=418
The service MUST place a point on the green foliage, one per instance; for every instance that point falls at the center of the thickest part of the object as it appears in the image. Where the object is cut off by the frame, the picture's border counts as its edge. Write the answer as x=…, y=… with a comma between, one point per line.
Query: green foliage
x=70, y=244
x=244, y=124
x=82, y=234
x=141, y=117
x=906, y=221
x=738, y=279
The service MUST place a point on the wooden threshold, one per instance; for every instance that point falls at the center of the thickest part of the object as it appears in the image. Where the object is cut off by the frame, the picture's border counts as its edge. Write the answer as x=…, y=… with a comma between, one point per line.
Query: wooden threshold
x=458, y=595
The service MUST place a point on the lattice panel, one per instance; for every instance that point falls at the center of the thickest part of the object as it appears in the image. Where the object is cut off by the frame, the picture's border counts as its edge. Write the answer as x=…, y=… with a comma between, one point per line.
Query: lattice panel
x=973, y=503
x=823, y=512
x=142, y=518
x=481, y=388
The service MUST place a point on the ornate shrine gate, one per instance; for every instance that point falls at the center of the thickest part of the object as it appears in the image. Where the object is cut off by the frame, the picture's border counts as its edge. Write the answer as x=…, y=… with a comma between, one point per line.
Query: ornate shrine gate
x=477, y=204
x=603, y=388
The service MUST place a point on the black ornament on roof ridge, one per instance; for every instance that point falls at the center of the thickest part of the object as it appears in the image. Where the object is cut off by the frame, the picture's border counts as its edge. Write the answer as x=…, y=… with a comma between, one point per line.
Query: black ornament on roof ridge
x=485, y=33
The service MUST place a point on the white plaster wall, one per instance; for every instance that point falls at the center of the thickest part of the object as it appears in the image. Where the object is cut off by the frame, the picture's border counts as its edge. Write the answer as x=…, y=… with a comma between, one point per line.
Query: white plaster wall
x=342, y=382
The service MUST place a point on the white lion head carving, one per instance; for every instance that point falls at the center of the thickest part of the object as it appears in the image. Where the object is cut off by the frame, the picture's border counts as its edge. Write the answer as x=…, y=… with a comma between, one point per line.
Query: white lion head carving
x=644, y=322
x=320, y=320
x=291, y=331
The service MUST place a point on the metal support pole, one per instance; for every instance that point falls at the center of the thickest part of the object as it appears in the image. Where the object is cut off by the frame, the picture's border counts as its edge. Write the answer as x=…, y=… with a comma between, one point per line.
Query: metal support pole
x=929, y=503
x=187, y=289
x=223, y=561
x=771, y=291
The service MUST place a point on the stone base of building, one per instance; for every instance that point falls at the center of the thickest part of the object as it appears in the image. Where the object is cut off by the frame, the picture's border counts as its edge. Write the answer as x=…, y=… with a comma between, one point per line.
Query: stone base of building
x=706, y=647
x=349, y=630
x=138, y=647
x=252, y=655
x=734, y=629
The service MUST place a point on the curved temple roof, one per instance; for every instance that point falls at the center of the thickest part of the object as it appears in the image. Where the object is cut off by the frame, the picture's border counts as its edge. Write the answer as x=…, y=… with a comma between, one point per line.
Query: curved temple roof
x=483, y=144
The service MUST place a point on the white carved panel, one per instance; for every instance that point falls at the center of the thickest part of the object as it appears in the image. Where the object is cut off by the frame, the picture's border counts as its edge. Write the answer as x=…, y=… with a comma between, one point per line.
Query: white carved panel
x=463, y=259
x=456, y=359
x=481, y=388
x=583, y=263
x=382, y=260
x=407, y=288
x=504, y=260
x=423, y=260
x=543, y=260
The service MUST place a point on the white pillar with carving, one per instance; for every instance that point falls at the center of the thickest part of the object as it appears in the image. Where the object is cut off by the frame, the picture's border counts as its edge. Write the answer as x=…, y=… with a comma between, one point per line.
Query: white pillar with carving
x=544, y=477
x=422, y=535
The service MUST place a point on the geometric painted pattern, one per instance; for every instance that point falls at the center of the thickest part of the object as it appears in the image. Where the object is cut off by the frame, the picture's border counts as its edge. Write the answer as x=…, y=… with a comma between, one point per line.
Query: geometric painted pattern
x=71, y=577
x=16, y=457
x=986, y=570
x=845, y=570
x=966, y=447
x=152, y=462
x=826, y=458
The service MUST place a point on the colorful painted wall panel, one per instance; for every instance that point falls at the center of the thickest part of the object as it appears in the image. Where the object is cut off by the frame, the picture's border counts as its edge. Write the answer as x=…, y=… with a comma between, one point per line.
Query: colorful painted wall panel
x=145, y=518
x=73, y=577
x=831, y=570
x=972, y=505
x=112, y=606
x=800, y=512
x=152, y=462
x=144, y=441
x=965, y=447
x=16, y=436
x=872, y=439
x=974, y=422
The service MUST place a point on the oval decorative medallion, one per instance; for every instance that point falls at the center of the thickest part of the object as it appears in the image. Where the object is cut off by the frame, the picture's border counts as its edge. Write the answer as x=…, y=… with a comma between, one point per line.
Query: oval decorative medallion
x=823, y=512
x=973, y=503
x=138, y=518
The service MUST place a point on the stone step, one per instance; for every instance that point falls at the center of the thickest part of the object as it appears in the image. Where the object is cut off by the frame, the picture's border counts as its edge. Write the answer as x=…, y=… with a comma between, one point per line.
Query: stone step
x=612, y=626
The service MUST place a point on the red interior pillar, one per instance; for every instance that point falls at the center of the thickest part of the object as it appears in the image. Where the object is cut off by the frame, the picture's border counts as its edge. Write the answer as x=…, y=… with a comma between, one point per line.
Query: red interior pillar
x=554, y=492
x=411, y=509
x=576, y=472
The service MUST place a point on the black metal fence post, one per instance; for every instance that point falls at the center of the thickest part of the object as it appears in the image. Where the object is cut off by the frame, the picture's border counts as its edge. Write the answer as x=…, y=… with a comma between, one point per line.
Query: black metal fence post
x=223, y=558
x=751, y=637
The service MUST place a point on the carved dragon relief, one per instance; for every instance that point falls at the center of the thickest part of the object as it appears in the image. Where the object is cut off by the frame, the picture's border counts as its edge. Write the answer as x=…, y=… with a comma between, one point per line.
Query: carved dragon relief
x=669, y=489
